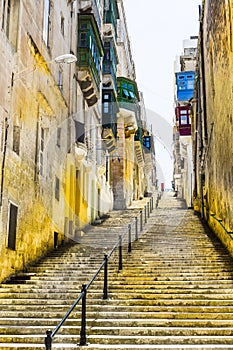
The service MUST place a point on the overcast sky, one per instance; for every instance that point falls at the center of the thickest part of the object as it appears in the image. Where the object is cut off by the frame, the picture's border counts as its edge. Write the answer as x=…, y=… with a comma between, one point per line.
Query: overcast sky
x=157, y=30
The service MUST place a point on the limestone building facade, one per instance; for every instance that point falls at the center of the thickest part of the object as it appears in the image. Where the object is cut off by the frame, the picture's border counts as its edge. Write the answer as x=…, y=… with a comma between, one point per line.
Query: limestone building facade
x=67, y=143
x=212, y=140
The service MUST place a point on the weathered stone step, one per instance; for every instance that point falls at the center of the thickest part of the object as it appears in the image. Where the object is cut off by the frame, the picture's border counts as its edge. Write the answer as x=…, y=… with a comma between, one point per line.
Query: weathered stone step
x=129, y=339
x=123, y=302
x=125, y=286
x=119, y=346
x=132, y=281
x=187, y=295
x=161, y=340
x=123, y=331
x=118, y=308
x=111, y=322
x=122, y=314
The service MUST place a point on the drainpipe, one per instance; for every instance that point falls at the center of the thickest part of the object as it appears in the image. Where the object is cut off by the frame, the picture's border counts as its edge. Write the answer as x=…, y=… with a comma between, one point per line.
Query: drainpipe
x=202, y=111
x=4, y=159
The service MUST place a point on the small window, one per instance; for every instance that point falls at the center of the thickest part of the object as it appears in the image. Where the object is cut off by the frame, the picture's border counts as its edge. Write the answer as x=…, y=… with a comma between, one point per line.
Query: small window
x=16, y=139
x=57, y=189
x=62, y=25
x=42, y=144
x=58, y=137
x=60, y=80
x=131, y=94
x=83, y=40
x=125, y=93
x=181, y=77
x=84, y=26
x=107, y=54
x=10, y=20
x=106, y=97
x=79, y=132
x=106, y=107
x=12, y=226
x=190, y=84
x=183, y=120
x=46, y=24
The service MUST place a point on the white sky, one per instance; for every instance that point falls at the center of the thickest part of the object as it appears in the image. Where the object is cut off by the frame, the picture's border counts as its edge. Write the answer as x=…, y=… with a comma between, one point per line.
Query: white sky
x=157, y=29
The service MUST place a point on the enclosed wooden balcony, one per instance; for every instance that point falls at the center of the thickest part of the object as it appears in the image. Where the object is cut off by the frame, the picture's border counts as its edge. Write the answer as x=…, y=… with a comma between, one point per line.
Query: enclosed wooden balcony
x=128, y=98
x=110, y=64
x=111, y=15
x=90, y=51
x=109, y=118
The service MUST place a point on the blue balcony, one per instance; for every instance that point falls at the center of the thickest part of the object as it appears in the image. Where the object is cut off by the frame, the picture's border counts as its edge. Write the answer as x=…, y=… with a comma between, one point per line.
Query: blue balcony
x=185, y=85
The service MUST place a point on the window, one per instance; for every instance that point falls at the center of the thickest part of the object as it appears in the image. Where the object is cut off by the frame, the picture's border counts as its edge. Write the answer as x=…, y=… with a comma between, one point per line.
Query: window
x=12, y=225
x=62, y=25
x=60, y=80
x=42, y=143
x=46, y=26
x=16, y=139
x=106, y=107
x=183, y=120
x=3, y=13
x=190, y=84
x=57, y=189
x=79, y=132
x=10, y=18
x=58, y=137
x=125, y=93
x=83, y=40
x=84, y=26
x=6, y=11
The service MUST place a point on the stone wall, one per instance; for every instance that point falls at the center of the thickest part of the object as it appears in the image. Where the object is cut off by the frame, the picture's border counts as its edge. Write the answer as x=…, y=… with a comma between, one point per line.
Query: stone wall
x=214, y=141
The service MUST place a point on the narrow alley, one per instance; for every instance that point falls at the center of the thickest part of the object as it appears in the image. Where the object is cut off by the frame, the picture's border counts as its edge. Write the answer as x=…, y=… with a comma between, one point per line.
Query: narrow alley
x=175, y=290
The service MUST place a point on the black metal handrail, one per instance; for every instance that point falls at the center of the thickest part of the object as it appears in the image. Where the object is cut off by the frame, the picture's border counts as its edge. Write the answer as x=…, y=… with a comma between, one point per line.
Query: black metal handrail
x=82, y=296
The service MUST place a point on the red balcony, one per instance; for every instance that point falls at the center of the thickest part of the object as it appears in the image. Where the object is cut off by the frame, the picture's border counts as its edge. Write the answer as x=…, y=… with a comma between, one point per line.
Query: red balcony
x=184, y=120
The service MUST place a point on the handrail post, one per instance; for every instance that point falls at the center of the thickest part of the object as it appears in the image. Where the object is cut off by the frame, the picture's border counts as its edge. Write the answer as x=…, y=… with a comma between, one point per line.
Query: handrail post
x=120, y=253
x=136, y=228
x=150, y=205
x=152, y=202
x=129, y=239
x=140, y=220
x=105, y=277
x=48, y=340
x=83, y=336
x=148, y=210
x=145, y=214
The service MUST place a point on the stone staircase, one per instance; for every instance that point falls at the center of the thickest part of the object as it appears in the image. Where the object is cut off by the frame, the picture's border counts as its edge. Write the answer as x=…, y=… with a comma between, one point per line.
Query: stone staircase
x=175, y=290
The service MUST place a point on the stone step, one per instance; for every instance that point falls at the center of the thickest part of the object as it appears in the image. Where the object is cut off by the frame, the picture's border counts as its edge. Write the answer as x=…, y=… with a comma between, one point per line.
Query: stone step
x=121, y=339
x=161, y=340
x=119, y=346
x=126, y=286
x=72, y=295
x=121, y=314
x=122, y=302
x=123, y=330
x=49, y=307
x=111, y=322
